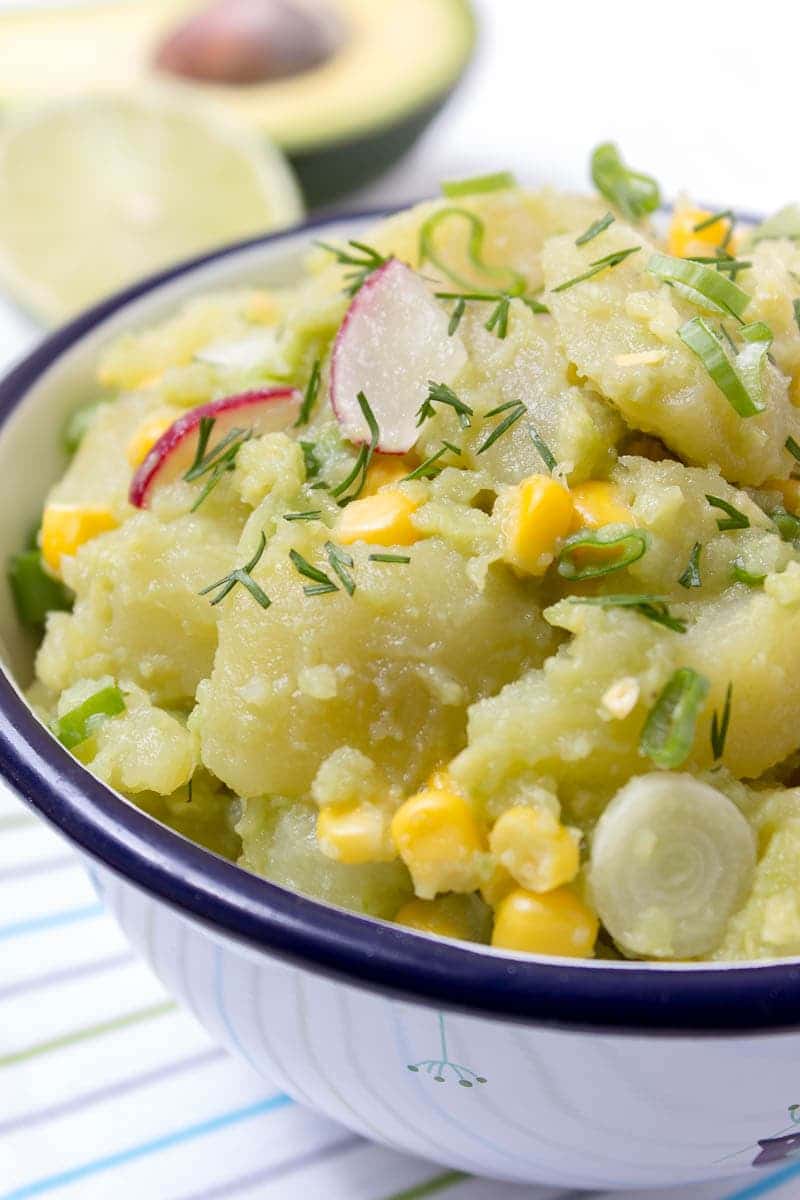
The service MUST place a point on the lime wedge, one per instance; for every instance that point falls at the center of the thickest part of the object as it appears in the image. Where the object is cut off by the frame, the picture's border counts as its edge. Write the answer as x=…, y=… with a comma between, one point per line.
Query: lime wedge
x=98, y=191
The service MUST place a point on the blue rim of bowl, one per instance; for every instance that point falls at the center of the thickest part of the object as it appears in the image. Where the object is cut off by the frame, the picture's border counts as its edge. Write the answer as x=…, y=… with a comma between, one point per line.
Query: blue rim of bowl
x=619, y=997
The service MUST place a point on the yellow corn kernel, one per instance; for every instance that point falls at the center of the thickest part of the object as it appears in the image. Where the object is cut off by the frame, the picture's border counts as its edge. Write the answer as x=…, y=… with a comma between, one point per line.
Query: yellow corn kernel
x=384, y=469
x=534, y=847
x=534, y=516
x=684, y=240
x=789, y=490
x=556, y=923
x=355, y=833
x=431, y=916
x=497, y=886
x=597, y=503
x=382, y=520
x=438, y=839
x=146, y=437
x=65, y=527
x=262, y=308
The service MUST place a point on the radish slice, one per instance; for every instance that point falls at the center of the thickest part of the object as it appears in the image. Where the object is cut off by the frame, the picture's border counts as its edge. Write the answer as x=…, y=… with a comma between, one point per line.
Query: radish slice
x=173, y=454
x=393, y=340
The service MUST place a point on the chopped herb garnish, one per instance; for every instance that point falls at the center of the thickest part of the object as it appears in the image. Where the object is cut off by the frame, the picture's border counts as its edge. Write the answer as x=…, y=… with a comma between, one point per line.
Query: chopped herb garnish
x=452, y=448
x=499, y=181
x=668, y=732
x=721, y=262
x=362, y=258
x=634, y=194
x=719, y=726
x=600, y=264
x=497, y=321
x=427, y=469
x=595, y=228
x=796, y=310
x=516, y=410
x=80, y=722
x=322, y=582
x=312, y=464
x=724, y=214
x=574, y=563
x=390, y=558
x=310, y=396
x=242, y=576
x=310, y=515
x=793, y=448
x=514, y=281
x=545, y=453
x=35, y=592
x=340, y=560
x=498, y=317
x=742, y=575
x=741, y=383
x=734, y=518
x=653, y=607
x=440, y=393
x=691, y=576
x=358, y=474
x=219, y=460
x=701, y=284
x=787, y=525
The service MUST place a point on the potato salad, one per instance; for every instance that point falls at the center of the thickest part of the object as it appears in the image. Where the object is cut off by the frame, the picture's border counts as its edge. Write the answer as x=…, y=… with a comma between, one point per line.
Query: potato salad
x=458, y=584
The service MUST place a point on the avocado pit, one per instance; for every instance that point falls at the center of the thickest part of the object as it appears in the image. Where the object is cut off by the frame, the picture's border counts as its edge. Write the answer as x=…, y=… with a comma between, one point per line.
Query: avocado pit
x=241, y=42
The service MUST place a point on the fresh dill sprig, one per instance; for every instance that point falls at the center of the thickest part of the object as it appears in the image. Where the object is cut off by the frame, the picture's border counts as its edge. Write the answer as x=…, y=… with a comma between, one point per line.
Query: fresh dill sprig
x=242, y=576
x=725, y=214
x=440, y=393
x=691, y=576
x=340, y=560
x=606, y=263
x=497, y=321
x=362, y=258
x=514, y=410
x=545, y=453
x=655, y=608
x=719, y=725
x=390, y=558
x=358, y=474
x=734, y=519
x=793, y=447
x=309, y=515
x=219, y=460
x=796, y=310
x=321, y=583
x=310, y=396
x=596, y=227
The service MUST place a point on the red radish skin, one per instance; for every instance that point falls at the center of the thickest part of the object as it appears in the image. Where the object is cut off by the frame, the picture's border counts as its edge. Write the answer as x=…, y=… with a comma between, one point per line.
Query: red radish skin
x=263, y=412
x=392, y=342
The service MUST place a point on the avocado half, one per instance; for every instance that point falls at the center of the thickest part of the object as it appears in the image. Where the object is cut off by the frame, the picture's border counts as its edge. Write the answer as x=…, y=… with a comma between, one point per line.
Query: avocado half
x=343, y=104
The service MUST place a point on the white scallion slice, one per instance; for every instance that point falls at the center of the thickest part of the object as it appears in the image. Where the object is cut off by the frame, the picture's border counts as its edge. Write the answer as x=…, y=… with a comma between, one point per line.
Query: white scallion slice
x=704, y=286
x=672, y=859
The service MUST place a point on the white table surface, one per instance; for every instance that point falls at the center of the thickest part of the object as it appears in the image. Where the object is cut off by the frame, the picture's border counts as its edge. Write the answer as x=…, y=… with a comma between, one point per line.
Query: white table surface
x=702, y=96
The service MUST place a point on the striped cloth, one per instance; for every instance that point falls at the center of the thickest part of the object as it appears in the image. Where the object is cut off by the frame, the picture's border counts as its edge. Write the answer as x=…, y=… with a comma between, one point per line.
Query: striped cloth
x=107, y=1089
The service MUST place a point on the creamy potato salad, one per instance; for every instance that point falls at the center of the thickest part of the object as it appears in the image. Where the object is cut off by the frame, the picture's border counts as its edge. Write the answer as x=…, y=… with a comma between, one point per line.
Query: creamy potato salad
x=459, y=584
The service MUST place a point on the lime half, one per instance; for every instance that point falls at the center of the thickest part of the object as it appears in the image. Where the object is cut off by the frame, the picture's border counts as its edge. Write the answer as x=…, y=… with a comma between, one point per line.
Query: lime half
x=96, y=192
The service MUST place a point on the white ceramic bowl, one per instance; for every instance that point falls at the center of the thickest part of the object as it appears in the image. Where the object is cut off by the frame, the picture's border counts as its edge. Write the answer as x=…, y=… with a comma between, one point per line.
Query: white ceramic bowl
x=583, y=1074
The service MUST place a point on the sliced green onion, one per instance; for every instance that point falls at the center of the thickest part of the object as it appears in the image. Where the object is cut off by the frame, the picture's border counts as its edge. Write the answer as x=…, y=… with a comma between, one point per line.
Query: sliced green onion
x=309, y=396
x=81, y=722
x=596, y=227
x=600, y=264
x=630, y=544
x=782, y=224
x=691, y=576
x=390, y=558
x=340, y=560
x=734, y=519
x=477, y=232
x=668, y=733
x=633, y=193
x=719, y=726
x=745, y=396
x=752, y=358
x=545, y=453
x=499, y=181
x=787, y=525
x=77, y=424
x=702, y=285
x=742, y=575
x=653, y=607
x=35, y=592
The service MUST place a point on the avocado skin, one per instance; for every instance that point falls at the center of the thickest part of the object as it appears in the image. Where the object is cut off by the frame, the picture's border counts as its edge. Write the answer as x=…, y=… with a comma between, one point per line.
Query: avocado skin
x=327, y=172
